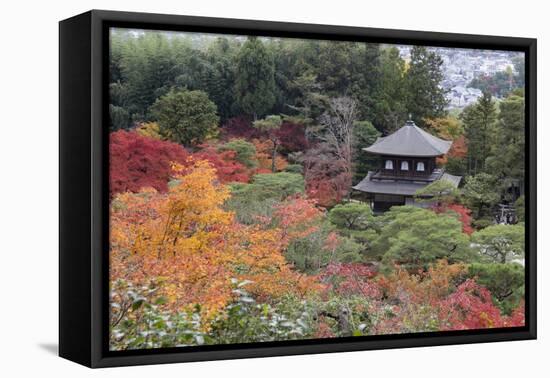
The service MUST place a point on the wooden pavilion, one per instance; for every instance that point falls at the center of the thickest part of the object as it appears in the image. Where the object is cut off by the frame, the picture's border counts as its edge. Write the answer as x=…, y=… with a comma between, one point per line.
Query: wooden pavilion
x=408, y=163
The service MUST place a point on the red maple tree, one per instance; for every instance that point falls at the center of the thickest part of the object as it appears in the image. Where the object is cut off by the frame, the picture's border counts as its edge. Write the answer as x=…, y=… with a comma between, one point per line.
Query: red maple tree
x=464, y=215
x=228, y=169
x=292, y=138
x=239, y=127
x=138, y=162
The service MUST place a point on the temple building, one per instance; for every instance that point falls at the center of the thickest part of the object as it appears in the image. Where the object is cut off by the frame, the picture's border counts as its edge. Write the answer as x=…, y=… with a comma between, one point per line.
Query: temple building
x=407, y=164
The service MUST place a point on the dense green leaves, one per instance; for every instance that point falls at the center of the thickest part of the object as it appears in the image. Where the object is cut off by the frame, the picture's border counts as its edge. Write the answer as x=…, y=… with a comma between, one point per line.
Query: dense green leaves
x=501, y=243
x=479, y=191
x=246, y=320
x=391, y=105
x=351, y=216
x=145, y=68
x=253, y=201
x=425, y=96
x=138, y=321
x=255, y=78
x=479, y=124
x=245, y=151
x=414, y=238
x=508, y=162
x=187, y=117
x=278, y=185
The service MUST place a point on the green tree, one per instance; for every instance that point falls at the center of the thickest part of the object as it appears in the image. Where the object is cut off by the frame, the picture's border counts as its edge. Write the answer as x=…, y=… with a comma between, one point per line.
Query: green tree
x=351, y=216
x=479, y=126
x=257, y=200
x=354, y=220
x=218, y=83
x=390, y=109
x=367, y=88
x=147, y=67
x=425, y=97
x=508, y=155
x=186, y=117
x=501, y=243
x=270, y=125
x=255, y=78
x=364, y=135
x=414, y=238
x=481, y=192
x=279, y=185
x=246, y=151
x=312, y=252
x=119, y=117
x=295, y=61
x=337, y=67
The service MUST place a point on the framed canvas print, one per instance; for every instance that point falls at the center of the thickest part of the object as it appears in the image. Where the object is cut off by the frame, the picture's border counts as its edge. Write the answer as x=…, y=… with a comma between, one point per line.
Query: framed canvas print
x=234, y=188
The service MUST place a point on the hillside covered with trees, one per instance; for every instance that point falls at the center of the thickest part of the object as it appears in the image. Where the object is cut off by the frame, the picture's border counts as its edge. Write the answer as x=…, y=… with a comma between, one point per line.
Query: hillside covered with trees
x=232, y=215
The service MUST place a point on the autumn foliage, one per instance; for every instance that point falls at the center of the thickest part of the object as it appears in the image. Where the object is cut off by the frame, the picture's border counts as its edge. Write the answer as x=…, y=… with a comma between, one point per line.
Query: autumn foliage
x=228, y=169
x=441, y=298
x=327, y=177
x=170, y=224
x=239, y=127
x=138, y=161
x=186, y=238
x=292, y=137
x=458, y=150
x=264, y=156
x=233, y=211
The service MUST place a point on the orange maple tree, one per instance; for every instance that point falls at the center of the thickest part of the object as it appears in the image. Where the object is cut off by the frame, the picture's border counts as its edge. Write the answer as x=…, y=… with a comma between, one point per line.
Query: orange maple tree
x=264, y=156
x=188, y=241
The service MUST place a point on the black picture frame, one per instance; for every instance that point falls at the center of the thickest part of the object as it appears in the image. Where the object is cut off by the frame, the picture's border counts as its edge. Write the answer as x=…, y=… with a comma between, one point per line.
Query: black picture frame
x=84, y=195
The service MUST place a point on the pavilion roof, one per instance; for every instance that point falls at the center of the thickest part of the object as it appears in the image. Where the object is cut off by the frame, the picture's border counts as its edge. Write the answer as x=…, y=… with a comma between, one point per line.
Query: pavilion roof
x=397, y=187
x=410, y=140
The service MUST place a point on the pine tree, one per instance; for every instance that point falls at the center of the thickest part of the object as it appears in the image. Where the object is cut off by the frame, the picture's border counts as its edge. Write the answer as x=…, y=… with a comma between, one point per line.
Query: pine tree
x=255, y=78
x=366, y=88
x=426, y=97
x=507, y=159
x=479, y=126
x=219, y=83
x=390, y=108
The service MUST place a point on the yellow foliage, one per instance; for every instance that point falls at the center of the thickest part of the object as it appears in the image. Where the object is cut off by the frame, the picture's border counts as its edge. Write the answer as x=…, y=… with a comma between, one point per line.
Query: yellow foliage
x=449, y=128
x=150, y=130
x=186, y=238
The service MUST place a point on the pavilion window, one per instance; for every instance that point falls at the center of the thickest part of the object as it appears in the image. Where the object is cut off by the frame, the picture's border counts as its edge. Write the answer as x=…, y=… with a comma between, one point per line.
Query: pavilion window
x=420, y=166
x=404, y=165
x=389, y=164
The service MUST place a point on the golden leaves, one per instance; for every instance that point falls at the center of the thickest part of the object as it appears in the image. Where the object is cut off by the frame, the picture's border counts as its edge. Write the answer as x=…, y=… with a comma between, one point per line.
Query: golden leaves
x=186, y=237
